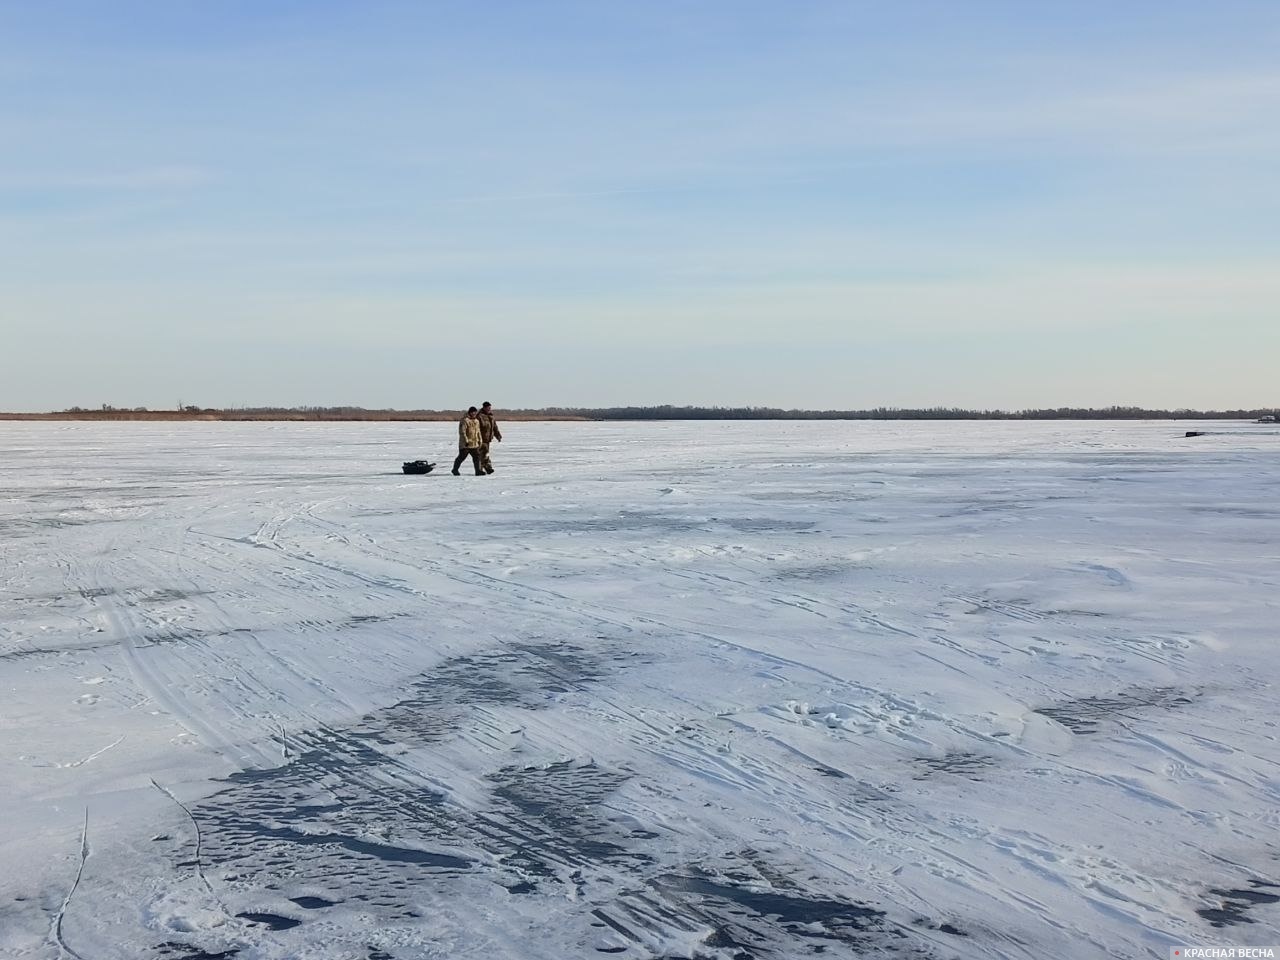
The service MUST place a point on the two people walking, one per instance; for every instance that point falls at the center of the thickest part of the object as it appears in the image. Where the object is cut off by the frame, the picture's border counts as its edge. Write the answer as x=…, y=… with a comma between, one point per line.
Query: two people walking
x=476, y=431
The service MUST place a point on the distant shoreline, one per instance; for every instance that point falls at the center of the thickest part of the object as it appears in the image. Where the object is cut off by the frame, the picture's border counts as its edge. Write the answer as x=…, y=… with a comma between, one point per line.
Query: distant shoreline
x=624, y=414
x=158, y=416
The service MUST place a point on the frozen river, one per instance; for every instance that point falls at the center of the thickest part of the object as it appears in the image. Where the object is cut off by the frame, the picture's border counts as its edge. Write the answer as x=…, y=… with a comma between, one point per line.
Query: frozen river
x=716, y=690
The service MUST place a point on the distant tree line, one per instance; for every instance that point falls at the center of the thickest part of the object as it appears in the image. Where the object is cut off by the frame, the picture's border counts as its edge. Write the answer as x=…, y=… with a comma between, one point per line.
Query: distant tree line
x=106, y=408
x=665, y=412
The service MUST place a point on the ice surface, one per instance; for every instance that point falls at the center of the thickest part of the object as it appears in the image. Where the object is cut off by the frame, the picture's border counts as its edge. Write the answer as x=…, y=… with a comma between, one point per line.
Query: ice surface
x=717, y=690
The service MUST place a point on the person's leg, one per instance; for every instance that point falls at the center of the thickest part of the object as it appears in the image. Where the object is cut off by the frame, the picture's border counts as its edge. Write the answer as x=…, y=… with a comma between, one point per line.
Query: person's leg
x=462, y=455
x=485, y=463
x=475, y=459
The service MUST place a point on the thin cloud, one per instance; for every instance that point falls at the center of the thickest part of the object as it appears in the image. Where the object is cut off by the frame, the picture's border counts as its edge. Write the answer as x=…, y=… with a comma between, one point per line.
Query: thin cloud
x=571, y=194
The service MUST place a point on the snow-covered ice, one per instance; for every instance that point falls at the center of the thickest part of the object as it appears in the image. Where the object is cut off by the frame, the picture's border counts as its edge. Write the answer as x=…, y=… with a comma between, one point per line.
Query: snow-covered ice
x=718, y=690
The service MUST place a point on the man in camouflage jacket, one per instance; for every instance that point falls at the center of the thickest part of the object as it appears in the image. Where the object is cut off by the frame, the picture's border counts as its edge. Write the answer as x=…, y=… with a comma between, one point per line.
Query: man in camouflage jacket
x=469, y=439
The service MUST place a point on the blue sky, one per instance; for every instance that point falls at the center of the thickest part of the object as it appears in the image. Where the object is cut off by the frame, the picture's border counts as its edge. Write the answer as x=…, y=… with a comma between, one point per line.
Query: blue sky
x=799, y=204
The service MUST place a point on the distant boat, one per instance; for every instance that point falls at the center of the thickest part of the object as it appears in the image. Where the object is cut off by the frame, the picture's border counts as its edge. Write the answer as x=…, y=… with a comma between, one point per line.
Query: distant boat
x=1269, y=418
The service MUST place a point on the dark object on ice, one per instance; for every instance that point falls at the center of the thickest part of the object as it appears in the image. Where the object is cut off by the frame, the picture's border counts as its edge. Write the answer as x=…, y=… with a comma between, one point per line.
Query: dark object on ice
x=1085, y=715
x=418, y=466
x=1190, y=433
x=1234, y=903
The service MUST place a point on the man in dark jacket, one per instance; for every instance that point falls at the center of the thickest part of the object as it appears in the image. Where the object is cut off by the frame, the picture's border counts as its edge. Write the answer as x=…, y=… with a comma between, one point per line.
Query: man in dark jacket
x=488, y=433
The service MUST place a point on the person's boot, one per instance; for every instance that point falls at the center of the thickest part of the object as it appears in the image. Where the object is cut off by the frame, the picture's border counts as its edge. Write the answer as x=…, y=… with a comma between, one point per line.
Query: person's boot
x=488, y=469
x=455, y=472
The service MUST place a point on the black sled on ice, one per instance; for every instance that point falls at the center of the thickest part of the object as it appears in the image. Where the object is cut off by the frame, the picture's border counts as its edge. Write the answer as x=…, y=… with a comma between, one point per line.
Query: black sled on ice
x=418, y=466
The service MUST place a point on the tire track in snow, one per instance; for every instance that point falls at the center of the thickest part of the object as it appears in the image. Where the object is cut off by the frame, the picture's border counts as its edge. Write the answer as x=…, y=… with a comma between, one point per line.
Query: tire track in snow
x=163, y=687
